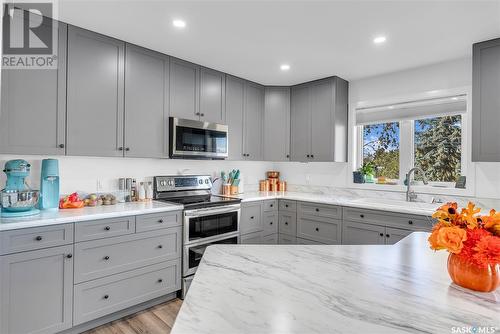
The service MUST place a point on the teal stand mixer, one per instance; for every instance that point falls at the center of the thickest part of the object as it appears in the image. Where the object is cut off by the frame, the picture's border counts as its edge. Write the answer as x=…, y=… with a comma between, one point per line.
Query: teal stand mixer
x=18, y=199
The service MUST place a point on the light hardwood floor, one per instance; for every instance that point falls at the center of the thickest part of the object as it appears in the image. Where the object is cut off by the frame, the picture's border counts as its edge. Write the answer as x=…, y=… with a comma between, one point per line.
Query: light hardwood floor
x=156, y=320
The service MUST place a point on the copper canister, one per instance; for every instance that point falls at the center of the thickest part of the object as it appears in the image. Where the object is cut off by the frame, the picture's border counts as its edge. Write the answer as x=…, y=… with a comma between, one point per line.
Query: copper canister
x=273, y=174
x=263, y=185
x=273, y=184
x=282, y=186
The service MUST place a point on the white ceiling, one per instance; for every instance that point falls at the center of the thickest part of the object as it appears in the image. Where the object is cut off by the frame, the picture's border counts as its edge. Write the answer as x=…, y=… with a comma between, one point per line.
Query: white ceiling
x=251, y=39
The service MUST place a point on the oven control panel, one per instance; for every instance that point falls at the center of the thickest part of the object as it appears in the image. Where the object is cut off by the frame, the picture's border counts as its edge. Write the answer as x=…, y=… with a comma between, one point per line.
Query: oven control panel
x=184, y=182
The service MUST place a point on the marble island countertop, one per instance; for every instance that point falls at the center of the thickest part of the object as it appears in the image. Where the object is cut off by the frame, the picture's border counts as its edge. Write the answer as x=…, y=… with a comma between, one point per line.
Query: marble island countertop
x=53, y=217
x=404, y=288
x=392, y=205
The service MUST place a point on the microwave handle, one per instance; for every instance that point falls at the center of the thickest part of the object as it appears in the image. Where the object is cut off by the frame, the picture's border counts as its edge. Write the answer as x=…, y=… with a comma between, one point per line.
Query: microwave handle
x=211, y=211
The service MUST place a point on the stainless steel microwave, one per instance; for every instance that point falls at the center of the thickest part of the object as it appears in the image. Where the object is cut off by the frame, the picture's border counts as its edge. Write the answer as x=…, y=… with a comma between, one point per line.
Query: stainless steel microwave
x=197, y=139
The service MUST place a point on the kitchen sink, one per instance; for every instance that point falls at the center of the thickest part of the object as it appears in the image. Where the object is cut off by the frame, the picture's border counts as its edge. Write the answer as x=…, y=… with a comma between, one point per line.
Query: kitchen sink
x=382, y=202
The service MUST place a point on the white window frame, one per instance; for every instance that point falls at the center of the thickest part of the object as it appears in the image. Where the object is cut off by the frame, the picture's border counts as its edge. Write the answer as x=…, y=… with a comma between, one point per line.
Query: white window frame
x=407, y=157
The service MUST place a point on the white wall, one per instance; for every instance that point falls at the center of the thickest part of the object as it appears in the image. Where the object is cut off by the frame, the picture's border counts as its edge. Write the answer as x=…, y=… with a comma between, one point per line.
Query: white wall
x=83, y=173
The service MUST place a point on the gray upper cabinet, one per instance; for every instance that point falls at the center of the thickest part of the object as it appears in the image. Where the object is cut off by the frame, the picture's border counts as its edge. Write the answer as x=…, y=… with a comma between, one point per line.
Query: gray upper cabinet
x=253, y=121
x=277, y=124
x=300, y=123
x=146, y=103
x=212, y=96
x=33, y=111
x=184, y=89
x=95, y=94
x=36, y=291
x=244, y=115
x=319, y=121
x=486, y=101
x=235, y=92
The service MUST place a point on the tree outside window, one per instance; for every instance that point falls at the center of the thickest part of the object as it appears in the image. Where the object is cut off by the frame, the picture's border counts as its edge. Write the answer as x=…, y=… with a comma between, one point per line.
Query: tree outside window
x=381, y=148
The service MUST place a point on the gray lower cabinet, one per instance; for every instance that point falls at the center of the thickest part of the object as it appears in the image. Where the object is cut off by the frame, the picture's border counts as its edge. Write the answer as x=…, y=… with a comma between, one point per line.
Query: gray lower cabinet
x=271, y=239
x=323, y=230
x=253, y=121
x=33, y=110
x=285, y=239
x=95, y=94
x=184, y=89
x=109, y=294
x=394, y=235
x=277, y=124
x=354, y=233
x=251, y=220
x=301, y=241
x=319, y=120
x=212, y=96
x=235, y=106
x=270, y=222
x=254, y=238
x=36, y=291
x=486, y=100
x=103, y=257
x=146, y=103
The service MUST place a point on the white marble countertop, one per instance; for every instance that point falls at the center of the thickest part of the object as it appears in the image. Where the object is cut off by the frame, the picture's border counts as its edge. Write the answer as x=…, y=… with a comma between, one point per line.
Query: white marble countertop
x=404, y=288
x=49, y=217
x=417, y=208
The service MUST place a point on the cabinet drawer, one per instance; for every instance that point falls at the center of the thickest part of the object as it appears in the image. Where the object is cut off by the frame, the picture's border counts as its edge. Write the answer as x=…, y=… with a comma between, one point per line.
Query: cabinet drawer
x=98, y=258
x=157, y=221
x=327, y=231
x=35, y=238
x=301, y=241
x=271, y=239
x=354, y=233
x=408, y=221
x=98, y=229
x=250, y=218
x=100, y=297
x=254, y=238
x=284, y=239
x=286, y=205
x=319, y=210
x=287, y=223
x=268, y=206
x=270, y=222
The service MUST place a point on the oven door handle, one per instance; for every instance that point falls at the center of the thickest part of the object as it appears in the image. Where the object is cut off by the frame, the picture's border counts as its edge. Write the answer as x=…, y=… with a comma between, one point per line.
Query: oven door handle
x=211, y=211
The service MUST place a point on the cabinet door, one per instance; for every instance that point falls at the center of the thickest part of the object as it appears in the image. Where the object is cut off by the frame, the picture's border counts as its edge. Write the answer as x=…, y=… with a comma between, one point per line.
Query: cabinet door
x=146, y=103
x=322, y=123
x=254, y=112
x=393, y=235
x=184, y=89
x=235, y=102
x=362, y=234
x=95, y=94
x=33, y=111
x=212, y=96
x=251, y=238
x=36, y=291
x=300, y=124
x=277, y=124
x=486, y=101
x=251, y=220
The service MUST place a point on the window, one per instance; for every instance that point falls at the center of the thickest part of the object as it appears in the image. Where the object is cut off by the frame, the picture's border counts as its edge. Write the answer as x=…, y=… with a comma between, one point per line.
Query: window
x=426, y=134
x=438, y=147
x=381, y=148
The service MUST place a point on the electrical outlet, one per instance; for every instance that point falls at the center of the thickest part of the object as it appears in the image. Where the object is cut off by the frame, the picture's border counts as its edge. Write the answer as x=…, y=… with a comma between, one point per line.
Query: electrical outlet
x=308, y=179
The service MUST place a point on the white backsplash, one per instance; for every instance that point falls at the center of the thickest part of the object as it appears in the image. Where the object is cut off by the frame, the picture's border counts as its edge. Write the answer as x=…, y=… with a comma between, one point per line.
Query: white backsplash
x=84, y=173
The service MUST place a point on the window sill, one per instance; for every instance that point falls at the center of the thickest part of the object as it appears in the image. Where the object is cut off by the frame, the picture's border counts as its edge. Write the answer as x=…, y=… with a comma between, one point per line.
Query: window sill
x=417, y=188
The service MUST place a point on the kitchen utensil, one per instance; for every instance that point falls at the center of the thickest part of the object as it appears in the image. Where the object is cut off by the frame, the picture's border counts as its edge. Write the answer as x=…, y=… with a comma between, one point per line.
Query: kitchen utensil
x=17, y=199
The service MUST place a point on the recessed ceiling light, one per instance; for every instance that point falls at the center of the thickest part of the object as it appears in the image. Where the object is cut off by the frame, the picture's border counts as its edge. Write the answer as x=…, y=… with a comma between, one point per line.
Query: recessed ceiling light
x=285, y=67
x=379, y=39
x=179, y=23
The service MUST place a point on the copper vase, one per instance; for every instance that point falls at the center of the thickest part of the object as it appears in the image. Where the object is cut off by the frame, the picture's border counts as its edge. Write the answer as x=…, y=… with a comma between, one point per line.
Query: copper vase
x=471, y=276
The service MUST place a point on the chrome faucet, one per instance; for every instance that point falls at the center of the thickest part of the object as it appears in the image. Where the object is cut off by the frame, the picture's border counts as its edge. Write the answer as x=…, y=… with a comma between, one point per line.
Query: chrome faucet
x=411, y=196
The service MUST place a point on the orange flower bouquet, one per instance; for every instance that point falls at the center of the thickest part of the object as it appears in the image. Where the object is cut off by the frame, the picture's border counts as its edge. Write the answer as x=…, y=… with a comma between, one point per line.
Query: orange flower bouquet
x=473, y=241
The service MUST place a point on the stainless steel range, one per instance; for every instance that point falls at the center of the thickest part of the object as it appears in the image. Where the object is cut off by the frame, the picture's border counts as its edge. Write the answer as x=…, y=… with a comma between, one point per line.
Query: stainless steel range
x=208, y=219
